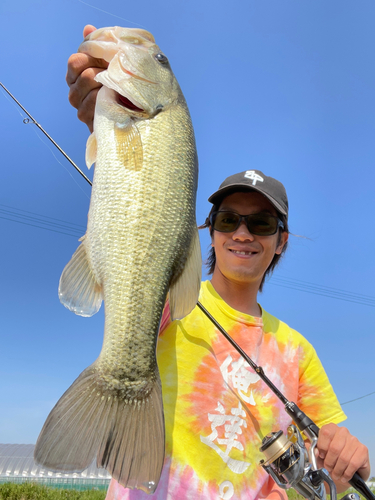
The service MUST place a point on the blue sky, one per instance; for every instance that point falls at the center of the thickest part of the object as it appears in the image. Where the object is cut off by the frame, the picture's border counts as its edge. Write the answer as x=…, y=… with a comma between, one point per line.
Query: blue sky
x=286, y=87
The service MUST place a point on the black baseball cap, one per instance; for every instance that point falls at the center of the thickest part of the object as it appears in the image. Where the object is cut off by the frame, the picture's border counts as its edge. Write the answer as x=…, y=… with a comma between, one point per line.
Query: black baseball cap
x=253, y=180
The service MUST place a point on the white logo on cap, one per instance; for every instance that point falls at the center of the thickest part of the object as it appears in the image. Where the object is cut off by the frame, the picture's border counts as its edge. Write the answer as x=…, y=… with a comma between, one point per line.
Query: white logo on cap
x=250, y=174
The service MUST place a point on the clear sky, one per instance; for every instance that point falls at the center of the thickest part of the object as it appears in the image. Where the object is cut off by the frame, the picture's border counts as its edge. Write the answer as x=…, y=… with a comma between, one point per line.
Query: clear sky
x=286, y=87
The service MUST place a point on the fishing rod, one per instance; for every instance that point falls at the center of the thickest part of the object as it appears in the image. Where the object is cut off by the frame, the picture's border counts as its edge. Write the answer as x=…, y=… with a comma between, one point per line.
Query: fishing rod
x=287, y=456
x=27, y=120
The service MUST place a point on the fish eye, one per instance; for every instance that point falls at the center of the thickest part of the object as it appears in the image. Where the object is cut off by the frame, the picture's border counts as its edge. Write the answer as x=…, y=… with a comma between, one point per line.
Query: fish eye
x=161, y=58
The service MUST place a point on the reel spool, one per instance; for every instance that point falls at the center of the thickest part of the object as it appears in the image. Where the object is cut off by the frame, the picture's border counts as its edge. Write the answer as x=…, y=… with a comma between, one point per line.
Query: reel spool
x=282, y=454
x=290, y=465
x=286, y=456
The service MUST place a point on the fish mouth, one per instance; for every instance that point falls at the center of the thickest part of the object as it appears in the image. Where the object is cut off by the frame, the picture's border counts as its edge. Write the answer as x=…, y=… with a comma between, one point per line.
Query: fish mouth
x=128, y=104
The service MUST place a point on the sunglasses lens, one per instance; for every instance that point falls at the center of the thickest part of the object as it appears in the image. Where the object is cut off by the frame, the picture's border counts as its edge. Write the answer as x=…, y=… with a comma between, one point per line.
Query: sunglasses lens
x=226, y=222
x=259, y=224
x=262, y=225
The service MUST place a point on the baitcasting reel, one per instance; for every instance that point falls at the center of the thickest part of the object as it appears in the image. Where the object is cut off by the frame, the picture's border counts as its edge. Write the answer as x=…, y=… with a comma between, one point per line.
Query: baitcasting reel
x=291, y=466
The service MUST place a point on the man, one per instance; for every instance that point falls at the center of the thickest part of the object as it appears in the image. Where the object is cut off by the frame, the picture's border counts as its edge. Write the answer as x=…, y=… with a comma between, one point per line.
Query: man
x=217, y=410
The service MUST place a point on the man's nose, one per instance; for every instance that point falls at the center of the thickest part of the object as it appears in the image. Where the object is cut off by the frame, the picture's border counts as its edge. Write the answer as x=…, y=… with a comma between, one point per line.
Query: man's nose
x=242, y=233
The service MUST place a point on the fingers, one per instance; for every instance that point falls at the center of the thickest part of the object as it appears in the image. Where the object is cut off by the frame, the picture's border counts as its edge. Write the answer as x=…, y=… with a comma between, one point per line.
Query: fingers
x=81, y=81
x=80, y=75
x=341, y=453
x=89, y=28
x=78, y=63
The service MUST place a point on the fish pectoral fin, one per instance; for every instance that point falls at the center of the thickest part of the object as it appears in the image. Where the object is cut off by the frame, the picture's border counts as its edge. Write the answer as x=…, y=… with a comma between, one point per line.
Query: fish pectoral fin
x=184, y=290
x=91, y=150
x=129, y=146
x=78, y=289
x=126, y=434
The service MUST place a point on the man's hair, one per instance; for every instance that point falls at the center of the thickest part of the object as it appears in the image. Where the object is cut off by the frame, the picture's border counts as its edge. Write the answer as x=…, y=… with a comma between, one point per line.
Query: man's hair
x=211, y=259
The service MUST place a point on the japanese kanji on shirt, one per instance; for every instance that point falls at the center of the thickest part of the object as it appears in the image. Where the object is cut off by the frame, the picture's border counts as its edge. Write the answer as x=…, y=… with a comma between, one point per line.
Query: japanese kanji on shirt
x=217, y=409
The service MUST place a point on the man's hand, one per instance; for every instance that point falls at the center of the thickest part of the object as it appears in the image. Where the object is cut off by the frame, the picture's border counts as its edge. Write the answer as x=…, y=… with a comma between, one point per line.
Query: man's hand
x=83, y=88
x=342, y=455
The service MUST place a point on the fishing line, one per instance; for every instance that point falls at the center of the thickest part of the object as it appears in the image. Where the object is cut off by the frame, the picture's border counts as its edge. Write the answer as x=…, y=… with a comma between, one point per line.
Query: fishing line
x=25, y=120
x=58, y=161
x=110, y=14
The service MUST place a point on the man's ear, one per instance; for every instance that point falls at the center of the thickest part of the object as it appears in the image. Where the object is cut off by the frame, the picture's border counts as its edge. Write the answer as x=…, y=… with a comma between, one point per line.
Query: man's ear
x=283, y=239
x=212, y=237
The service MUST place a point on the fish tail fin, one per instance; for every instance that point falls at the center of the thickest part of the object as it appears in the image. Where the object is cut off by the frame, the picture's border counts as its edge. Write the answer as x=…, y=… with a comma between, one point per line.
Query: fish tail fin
x=127, y=436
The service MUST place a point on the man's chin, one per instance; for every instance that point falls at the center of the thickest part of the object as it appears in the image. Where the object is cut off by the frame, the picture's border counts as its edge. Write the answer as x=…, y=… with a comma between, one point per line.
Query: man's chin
x=244, y=276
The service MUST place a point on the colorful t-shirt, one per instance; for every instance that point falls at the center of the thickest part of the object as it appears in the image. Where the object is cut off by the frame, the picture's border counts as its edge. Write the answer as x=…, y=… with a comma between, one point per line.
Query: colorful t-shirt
x=217, y=409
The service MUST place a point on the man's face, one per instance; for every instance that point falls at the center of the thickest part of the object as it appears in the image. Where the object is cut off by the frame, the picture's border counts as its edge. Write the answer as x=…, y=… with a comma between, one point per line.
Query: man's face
x=241, y=256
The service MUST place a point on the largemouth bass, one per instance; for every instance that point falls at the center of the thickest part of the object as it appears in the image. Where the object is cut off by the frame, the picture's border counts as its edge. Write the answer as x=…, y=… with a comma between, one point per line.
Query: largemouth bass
x=141, y=241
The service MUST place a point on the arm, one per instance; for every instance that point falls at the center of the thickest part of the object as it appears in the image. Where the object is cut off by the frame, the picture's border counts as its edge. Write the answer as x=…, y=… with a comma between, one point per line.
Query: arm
x=337, y=450
x=82, y=70
x=342, y=455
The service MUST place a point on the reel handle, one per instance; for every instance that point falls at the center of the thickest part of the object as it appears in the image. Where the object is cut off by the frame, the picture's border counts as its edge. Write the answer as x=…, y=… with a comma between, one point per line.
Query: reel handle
x=358, y=483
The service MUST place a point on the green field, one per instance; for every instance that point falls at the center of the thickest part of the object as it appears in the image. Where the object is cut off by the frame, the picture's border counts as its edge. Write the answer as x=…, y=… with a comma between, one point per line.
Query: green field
x=33, y=491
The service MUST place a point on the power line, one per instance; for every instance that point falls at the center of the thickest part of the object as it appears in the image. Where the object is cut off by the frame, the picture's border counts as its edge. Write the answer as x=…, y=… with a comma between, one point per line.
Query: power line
x=325, y=288
x=352, y=400
x=317, y=290
x=40, y=217
x=41, y=221
x=40, y=227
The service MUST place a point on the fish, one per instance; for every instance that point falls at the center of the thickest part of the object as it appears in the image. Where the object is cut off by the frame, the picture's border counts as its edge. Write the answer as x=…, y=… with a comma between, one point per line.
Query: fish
x=141, y=244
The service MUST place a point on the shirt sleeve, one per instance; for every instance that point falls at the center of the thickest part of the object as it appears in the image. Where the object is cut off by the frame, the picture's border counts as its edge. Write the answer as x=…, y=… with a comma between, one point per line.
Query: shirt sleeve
x=316, y=395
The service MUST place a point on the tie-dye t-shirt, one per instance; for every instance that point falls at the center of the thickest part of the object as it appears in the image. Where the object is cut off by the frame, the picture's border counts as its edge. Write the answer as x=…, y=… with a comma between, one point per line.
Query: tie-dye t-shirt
x=217, y=409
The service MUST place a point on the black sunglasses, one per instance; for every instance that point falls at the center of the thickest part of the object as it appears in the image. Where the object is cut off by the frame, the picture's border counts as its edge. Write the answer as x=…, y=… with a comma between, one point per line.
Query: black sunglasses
x=258, y=224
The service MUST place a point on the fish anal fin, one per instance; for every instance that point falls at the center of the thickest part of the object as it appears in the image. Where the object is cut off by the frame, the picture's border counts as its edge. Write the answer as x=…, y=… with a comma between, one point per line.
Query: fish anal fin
x=129, y=146
x=91, y=419
x=91, y=150
x=78, y=289
x=184, y=290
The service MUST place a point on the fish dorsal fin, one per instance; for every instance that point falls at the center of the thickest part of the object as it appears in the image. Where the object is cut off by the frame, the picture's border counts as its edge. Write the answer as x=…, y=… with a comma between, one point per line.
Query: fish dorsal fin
x=184, y=291
x=129, y=146
x=91, y=150
x=78, y=289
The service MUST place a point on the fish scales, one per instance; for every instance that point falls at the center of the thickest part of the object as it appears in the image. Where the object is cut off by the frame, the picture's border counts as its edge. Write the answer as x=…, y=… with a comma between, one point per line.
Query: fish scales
x=146, y=259
x=141, y=241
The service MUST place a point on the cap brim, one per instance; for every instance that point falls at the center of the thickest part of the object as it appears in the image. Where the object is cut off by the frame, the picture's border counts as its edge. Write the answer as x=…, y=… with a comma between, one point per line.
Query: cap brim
x=216, y=197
